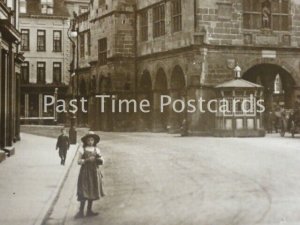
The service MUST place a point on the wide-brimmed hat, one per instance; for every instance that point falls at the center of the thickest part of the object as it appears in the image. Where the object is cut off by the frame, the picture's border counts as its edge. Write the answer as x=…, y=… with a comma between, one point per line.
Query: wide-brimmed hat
x=91, y=134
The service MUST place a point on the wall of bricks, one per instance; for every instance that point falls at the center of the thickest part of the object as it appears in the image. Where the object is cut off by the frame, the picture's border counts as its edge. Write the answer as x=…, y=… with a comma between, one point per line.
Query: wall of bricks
x=171, y=40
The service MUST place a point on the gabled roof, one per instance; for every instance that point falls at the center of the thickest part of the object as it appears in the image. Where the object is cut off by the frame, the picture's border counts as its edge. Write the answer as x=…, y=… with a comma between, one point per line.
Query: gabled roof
x=238, y=83
x=34, y=9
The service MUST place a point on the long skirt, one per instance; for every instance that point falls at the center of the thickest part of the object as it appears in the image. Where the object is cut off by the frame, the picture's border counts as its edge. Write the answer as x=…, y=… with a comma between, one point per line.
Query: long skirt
x=90, y=185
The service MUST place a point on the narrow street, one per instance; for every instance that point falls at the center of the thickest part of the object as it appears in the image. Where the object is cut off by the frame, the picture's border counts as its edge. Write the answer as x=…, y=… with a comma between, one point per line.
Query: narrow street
x=164, y=179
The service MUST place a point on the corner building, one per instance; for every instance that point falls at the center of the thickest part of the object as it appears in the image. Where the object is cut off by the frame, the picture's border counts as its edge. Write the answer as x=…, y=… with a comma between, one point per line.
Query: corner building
x=10, y=60
x=183, y=49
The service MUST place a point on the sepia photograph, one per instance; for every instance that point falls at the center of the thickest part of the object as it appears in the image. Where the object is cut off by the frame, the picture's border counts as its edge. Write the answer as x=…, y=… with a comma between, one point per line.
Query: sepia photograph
x=150, y=112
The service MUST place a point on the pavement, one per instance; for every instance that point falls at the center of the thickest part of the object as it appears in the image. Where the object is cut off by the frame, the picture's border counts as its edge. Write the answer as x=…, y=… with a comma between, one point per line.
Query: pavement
x=31, y=180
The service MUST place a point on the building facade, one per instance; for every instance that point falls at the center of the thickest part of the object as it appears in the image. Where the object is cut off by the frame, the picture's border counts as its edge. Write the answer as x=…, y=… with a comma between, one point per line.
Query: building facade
x=10, y=60
x=143, y=49
x=44, y=27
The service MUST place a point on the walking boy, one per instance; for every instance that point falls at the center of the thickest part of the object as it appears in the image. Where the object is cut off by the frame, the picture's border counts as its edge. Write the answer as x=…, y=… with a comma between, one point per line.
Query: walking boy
x=63, y=144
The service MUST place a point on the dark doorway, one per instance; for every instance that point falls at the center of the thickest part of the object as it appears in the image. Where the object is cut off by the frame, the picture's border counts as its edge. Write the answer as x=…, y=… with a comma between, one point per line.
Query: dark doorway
x=278, y=90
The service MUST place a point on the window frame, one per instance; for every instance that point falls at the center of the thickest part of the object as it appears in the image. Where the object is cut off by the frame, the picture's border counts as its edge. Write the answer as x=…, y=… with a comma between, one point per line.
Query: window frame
x=102, y=51
x=144, y=20
x=159, y=18
x=89, y=43
x=55, y=81
x=38, y=75
x=38, y=47
x=82, y=45
x=28, y=40
x=251, y=12
x=176, y=14
x=25, y=81
x=55, y=41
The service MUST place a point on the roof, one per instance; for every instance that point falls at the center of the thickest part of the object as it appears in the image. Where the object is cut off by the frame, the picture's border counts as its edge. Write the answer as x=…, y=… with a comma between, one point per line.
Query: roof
x=238, y=83
x=34, y=9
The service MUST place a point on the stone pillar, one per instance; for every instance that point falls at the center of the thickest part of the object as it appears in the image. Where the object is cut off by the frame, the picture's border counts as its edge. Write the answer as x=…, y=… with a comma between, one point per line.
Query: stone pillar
x=176, y=118
x=5, y=99
x=160, y=119
x=26, y=106
x=18, y=113
x=144, y=119
x=40, y=115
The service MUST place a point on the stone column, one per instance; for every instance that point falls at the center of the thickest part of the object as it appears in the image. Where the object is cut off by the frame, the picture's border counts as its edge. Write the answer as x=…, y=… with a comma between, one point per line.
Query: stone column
x=5, y=99
x=40, y=109
x=160, y=119
x=176, y=118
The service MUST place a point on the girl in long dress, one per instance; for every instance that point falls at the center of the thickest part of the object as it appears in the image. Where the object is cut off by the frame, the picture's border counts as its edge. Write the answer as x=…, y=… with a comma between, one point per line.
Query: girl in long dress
x=89, y=186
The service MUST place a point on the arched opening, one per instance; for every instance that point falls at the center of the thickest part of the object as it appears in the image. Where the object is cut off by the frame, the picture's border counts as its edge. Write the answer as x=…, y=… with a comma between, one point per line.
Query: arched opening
x=145, y=93
x=160, y=119
x=178, y=92
x=278, y=88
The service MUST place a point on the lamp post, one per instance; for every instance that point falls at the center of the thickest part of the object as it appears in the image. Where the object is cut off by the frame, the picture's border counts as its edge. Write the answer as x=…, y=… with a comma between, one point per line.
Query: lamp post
x=73, y=34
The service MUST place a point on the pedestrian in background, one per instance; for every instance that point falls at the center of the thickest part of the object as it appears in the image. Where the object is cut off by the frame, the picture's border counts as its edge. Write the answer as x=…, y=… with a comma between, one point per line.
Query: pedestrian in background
x=89, y=186
x=63, y=145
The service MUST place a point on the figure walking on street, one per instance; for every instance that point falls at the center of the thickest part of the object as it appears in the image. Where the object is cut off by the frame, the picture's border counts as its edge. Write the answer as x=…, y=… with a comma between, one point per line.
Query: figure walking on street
x=89, y=186
x=63, y=145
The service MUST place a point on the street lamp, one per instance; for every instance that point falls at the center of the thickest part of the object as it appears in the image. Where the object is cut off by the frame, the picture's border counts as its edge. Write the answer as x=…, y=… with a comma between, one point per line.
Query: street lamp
x=73, y=35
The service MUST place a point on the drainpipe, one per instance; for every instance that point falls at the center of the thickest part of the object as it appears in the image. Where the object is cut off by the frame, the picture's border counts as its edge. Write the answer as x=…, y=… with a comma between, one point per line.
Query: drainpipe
x=195, y=15
x=135, y=57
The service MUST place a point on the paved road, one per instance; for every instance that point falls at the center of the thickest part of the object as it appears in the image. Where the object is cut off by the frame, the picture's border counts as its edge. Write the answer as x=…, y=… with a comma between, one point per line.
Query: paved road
x=168, y=180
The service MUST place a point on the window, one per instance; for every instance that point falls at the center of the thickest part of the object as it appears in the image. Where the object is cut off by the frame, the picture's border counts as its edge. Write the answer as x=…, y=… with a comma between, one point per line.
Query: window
x=25, y=73
x=266, y=14
x=47, y=6
x=89, y=42
x=41, y=40
x=41, y=73
x=25, y=40
x=57, y=41
x=159, y=20
x=57, y=72
x=23, y=7
x=144, y=26
x=81, y=45
x=102, y=51
x=176, y=16
x=101, y=2
x=280, y=15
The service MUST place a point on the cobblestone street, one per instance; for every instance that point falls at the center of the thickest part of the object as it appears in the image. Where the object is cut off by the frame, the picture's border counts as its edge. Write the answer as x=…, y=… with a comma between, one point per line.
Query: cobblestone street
x=165, y=179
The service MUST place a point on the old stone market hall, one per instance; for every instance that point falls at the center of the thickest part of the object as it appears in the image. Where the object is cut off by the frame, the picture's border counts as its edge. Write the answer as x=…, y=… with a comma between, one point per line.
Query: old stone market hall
x=142, y=49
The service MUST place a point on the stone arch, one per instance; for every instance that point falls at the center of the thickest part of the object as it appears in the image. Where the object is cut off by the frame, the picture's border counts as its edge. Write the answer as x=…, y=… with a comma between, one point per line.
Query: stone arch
x=145, y=82
x=177, y=80
x=161, y=81
x=178, y=93
x=160, y=87
x=284, y=65
x=266, y=74
x=145, y=93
